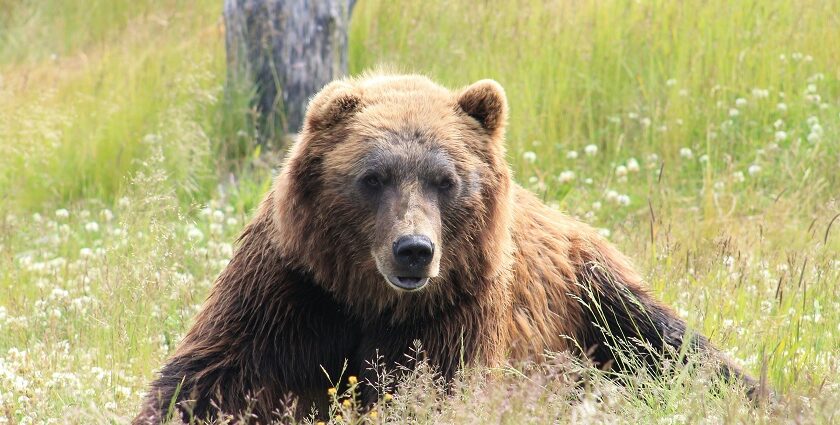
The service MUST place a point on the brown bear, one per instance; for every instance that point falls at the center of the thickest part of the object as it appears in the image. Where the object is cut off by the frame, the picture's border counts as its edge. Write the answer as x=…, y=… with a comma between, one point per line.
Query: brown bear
x=395, y=219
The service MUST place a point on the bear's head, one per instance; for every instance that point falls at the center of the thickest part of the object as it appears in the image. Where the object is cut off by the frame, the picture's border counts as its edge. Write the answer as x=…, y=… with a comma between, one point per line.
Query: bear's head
x=397, y=189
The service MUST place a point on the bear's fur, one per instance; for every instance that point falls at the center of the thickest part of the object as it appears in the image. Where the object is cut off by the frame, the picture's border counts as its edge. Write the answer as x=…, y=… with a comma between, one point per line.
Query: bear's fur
x=305, y=288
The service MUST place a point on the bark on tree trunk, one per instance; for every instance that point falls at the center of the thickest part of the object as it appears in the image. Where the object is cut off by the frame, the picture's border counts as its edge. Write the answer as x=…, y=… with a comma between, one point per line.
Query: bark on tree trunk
x=288, y=49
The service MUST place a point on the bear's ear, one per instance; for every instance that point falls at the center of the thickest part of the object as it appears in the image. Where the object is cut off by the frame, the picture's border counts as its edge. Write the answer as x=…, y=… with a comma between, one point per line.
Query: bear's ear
x=334, y=103
x=486, y=102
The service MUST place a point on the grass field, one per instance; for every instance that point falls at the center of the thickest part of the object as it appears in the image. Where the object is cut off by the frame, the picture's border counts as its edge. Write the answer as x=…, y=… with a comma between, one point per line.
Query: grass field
x=702, y=137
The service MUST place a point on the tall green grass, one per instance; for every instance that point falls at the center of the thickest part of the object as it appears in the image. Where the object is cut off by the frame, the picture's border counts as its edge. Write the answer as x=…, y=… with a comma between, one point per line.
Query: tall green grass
x=572, y=69
x=90, y=88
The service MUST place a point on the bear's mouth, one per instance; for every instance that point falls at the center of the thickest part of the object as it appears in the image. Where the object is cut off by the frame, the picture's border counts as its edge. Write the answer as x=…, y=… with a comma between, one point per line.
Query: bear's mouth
x=408, y=283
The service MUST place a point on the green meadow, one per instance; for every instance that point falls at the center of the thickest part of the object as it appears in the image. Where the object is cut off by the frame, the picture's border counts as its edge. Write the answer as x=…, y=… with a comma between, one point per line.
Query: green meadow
x=702, y=137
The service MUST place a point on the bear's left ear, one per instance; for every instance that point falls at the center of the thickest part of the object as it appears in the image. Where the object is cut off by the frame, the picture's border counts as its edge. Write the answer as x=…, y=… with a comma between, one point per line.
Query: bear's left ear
x=485, y=101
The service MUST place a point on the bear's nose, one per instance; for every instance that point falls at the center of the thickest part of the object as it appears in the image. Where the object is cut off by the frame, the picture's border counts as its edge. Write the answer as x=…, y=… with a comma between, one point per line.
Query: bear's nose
x=413, y=251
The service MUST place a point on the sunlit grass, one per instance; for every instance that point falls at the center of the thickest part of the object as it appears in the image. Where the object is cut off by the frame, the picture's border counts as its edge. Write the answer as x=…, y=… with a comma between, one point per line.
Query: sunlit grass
x=702, y=137
x=77, y=123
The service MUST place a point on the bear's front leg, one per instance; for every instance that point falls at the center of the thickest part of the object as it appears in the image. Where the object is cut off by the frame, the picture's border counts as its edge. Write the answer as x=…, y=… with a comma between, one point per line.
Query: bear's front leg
x=266, y=333
x=624, y=324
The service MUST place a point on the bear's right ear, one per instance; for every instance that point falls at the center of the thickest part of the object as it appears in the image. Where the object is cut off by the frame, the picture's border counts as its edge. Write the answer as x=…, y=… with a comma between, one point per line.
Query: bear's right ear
x=486, y=102
x=334, y=103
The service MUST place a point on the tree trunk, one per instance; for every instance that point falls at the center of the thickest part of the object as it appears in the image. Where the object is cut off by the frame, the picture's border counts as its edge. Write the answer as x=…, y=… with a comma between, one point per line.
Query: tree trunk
x=288, y=50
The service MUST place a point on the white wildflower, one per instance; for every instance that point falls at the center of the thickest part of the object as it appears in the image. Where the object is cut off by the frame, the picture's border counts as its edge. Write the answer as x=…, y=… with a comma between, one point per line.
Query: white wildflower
x=734, y=112
x=781, y=107
x=754, y=169
x=738, y=176
x=59, y=294
x=19, y=383
x=813, y=98
x=591, y=150
x=572, y=154
x=62, y=213
x=529, y=156
x=566, y=176
x=151, y=138
x=633, y=165
x=92, y=227
x=686, y=153
x=226, y=249
x=193, y=233
x=781, y=136
x=123, y=391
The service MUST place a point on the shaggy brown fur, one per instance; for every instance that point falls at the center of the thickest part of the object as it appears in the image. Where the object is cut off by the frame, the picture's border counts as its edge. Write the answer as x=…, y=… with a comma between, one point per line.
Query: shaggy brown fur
x=304, y=289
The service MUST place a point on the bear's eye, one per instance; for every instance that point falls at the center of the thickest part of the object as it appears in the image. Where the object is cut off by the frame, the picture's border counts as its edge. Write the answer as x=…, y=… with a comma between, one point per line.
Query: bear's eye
x=446, y=183
x=372, y=181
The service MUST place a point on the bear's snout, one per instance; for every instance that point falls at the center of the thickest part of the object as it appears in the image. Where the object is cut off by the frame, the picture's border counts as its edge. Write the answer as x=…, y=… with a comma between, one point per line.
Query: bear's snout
x=413, y=252
x=412, y=255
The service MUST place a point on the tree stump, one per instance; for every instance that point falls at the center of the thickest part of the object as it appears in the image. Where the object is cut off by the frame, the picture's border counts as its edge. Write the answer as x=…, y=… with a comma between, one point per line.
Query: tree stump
x=288, y=50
